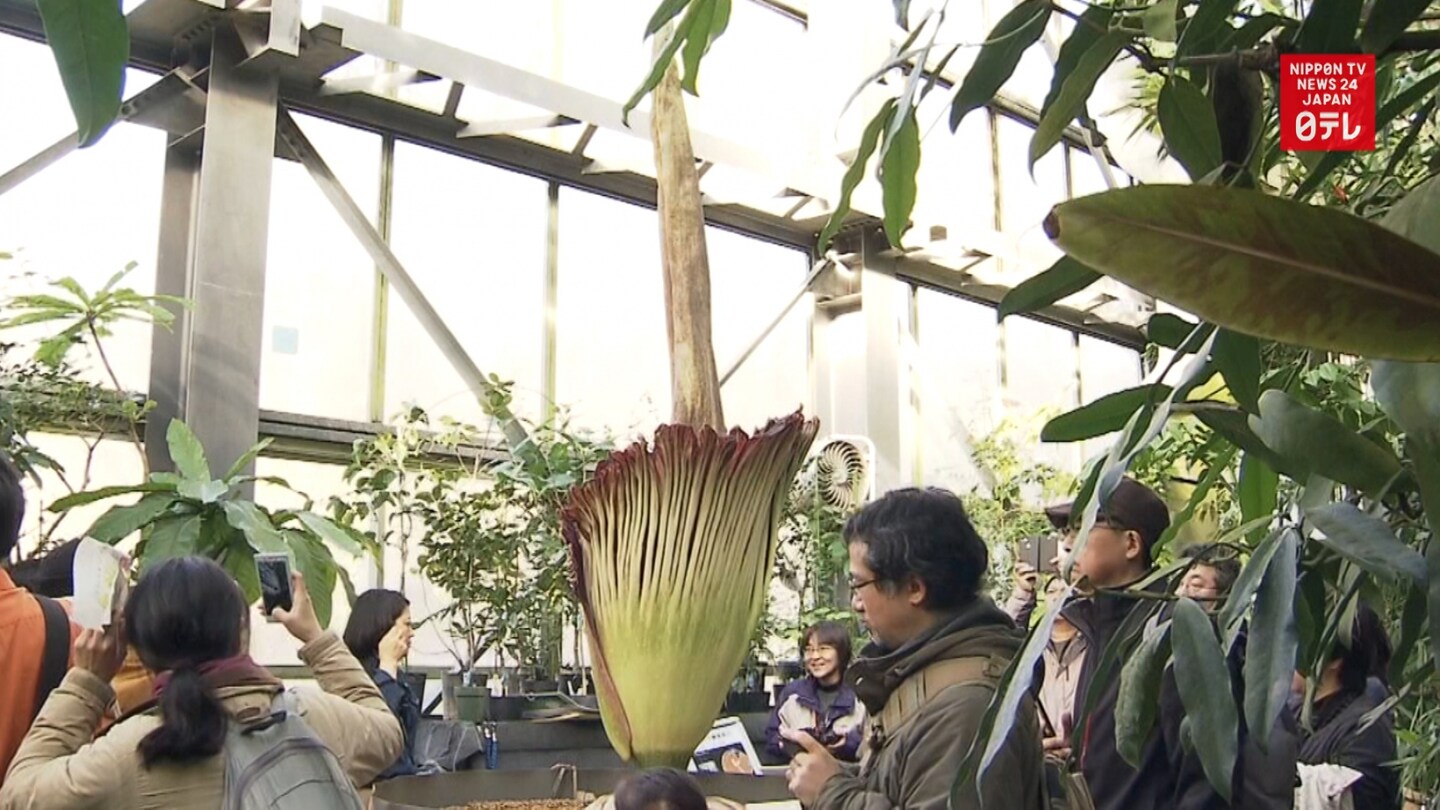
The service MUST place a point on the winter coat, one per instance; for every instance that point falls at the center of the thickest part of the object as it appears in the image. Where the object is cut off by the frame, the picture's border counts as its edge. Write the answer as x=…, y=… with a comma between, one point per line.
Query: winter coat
x=406, y=707
x=1061, y=679
x=799, y=709
x=1339, y=739
x=58, y=766
x=915, y=766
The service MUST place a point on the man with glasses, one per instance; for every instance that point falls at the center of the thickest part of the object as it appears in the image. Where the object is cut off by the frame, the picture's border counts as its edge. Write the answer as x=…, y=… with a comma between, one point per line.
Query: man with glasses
x=939, y=648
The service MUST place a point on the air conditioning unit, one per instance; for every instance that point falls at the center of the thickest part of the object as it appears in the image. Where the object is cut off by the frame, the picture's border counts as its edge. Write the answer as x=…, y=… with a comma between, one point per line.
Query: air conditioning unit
x=842, y=471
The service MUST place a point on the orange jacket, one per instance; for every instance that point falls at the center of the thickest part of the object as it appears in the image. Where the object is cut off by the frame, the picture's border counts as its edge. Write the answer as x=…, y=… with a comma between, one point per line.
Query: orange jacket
x=22, y=643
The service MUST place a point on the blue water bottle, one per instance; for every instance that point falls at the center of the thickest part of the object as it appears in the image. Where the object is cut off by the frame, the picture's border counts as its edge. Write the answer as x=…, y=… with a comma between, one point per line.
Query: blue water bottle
x=491, y=744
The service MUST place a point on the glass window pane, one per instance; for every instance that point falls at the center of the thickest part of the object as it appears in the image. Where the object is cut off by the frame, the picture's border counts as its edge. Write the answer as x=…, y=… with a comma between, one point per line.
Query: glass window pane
x=1025, y=201
x=958, y=385
x=1105, y=368
x=320, y=283
x=473, y=238
x=1041, y=381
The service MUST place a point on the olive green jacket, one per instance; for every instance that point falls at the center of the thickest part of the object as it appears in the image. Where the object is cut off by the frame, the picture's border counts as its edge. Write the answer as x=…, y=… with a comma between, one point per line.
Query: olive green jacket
x=915, y=767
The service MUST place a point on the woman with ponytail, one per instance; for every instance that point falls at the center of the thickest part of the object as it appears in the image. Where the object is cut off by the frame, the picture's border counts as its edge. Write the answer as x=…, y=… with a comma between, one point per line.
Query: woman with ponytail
x=187, y=619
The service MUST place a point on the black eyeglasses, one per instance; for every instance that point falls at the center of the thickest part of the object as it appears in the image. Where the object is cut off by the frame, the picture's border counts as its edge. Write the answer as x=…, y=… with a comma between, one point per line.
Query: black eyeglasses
x=855, y=586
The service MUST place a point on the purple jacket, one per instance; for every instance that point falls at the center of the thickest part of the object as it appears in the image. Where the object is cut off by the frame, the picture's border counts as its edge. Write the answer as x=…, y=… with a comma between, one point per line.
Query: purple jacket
x=799, y=710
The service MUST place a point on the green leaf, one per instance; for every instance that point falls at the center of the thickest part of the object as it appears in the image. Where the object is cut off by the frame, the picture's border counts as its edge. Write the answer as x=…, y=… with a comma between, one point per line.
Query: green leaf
x=1234, y=426
x=1267, y=266
x=662, y=62
x=1006, y=43
x=239, y=559
x=1427, y=470
x=1412, y=626
x=329, y=532
x=186, y=452
x=172, y=537
x=91, y=44
x=1076, y=90
x=1204, y=684
x=122, y=521
x=1105, y=415
x=217, y=535
x=1274, y=641
x=1159, y=21
x=82, y=498
x=1259, y=488
x=1063, y=278
x=1187, y=119
x=1295, y=430
x=1388, y=19
x=203, y=491
x=1329, y=26
x=1367, y=541
x=664, y=13
x=1214, y=472
x=1168, y=330
x=712, y=17
x=1238, y=359
x=1207, y=28
x=1093, y=24
x=1410, y=394
x=1415, y=215
x=1139, y=700
x=1237, y=602
x=255, y=524
x=313, y=561
x=238, y=468
x=868, y=141
x=898, y=168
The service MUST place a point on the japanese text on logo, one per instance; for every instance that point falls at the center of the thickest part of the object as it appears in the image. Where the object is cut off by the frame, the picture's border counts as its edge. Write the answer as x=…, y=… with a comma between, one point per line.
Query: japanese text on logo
x=1327, y=102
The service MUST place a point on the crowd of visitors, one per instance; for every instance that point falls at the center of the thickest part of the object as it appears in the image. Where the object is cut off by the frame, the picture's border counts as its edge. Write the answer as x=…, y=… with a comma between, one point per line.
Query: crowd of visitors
x=165, y=708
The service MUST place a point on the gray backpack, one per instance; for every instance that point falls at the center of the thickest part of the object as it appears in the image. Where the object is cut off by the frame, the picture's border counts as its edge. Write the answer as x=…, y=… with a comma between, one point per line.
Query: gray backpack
x=277, y=763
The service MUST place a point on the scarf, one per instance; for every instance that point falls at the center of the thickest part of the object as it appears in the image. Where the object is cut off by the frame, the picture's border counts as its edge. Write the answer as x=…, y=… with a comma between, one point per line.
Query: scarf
x=238, y=670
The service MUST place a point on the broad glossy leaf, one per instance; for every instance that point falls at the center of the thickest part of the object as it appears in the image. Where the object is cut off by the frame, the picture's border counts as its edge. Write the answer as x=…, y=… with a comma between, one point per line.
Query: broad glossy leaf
x=1159, y=21
x=663, y=62
x=898, y=168
x=1238, y=359
x=1204, y=684
x=1139, y=699
x=203, y=491
x=1330, y=26
x=1209, y=26
x=1237, y=602
x=91, y=44
x=122, y=521
x=1105, y=415
x=239, y=559
x=1011, y=37
x=329, y=532
x=1187, y=119
x=1388, y=19
x=1367, y=541
x=869, y=140
x=1321, y=444
x=238, y=468
x=1410, y=395
x=1234, y=425
x=1259, y=488
x=187, y=452
x=1168, y=330
x=712, y=18
x=1093, y=24
x=1076, y=90
x=313, y=561
x=1270, y=653
x=1415, y=215
x=82, y=498
x=1263, y=266
x=172, y=537
x=1063, y=278
x=255, y=524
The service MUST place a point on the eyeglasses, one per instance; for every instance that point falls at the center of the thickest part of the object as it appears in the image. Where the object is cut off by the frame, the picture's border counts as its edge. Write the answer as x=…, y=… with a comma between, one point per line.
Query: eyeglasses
x=855, y=586
x=824, y=648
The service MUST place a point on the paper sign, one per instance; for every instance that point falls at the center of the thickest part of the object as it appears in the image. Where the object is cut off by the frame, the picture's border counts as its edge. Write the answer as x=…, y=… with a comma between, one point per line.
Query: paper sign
x=1327, y=102
x=727, y=749
x=99, y=584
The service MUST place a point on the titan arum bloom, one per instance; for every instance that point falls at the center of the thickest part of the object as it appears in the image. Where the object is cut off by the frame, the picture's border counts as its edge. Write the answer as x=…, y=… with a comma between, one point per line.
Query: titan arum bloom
x=672, y=547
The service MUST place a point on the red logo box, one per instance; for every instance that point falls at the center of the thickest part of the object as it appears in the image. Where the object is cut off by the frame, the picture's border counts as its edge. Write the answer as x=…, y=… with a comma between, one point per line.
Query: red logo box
x=1327, y=102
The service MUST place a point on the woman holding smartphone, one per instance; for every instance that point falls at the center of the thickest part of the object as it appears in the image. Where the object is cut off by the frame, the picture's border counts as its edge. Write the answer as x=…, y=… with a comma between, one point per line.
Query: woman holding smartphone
x=378, y=635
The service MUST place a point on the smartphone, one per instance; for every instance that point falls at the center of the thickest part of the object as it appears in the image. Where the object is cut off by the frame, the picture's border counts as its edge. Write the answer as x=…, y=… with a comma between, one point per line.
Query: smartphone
x=1040, y=552
x=274, y=570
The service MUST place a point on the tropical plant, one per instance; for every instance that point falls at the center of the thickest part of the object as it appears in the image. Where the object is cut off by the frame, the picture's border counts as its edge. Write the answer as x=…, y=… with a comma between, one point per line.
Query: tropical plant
x=91, y=44
x=191, y=511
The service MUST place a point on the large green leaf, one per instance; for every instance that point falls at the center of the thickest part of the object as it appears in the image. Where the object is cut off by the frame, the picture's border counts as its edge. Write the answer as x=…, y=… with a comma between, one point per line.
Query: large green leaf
x=205, y=492
x=1259, y=488
x=1063, y=278
x=255, y=524
x=1007, y=42
x=1410, y=395
x=1388, y=19
x=82, y=498
x=1415, y=215
x=898, y=167
x=238, y=468
x=869, y=140
x=239, y=559
x=314, y=562
x=1204, y=683
x=1159, y=21
x=326, y=530
x=1209, y=26
x=1270, y=653
x=1092, y=25
x=1187, y=120
x=187, y=452
x=1105, y=415
x=1168, y=330
x=91, y=44
x=1367, y=541
x=1076, y=90
x=712, y=18
x=1321, y=444
x=172, y=537
x=1139, y=700
x=1237, y=602
x=1234, y=426
x=664, y=13
x=1238, y=359
x=1329, y=26
x=1263, y=266
x=122, y=521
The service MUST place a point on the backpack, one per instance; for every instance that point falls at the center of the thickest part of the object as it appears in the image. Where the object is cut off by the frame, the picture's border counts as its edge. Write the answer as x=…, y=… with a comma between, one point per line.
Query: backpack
x=277, y=763
x=55, y=658
x=1063, y=789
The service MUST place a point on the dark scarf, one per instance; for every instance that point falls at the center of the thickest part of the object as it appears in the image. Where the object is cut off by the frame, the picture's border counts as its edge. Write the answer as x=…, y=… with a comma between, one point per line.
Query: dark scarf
x=237, y=670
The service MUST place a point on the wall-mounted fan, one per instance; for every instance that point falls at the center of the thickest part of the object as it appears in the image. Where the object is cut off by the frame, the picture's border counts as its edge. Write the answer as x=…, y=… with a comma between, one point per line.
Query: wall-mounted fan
x=842, y=471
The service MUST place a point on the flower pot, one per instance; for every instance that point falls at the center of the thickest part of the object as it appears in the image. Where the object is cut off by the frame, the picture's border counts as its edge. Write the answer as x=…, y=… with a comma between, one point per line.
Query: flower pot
x=472, y=703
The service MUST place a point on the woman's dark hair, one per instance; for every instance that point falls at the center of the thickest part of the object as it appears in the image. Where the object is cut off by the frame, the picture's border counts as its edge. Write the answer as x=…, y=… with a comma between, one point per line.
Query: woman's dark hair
x=926, y=534
x=1368, y=653
x=52, y=575
x=659, y=789
x=184, y=613
x=12, y=506
x=375, y=612
x=828, y=634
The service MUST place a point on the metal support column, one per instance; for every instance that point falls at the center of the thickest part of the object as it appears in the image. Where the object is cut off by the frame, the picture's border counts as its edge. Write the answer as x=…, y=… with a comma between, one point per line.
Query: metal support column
x=230, y=241
x=885, y=306
x=173, y=261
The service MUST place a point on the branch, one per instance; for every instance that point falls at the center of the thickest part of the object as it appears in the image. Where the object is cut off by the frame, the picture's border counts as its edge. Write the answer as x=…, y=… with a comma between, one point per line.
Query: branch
x=1146, y=59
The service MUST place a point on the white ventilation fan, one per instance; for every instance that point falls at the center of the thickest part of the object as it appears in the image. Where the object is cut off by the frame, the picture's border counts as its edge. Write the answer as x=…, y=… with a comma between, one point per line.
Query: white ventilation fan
x=842, y=472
